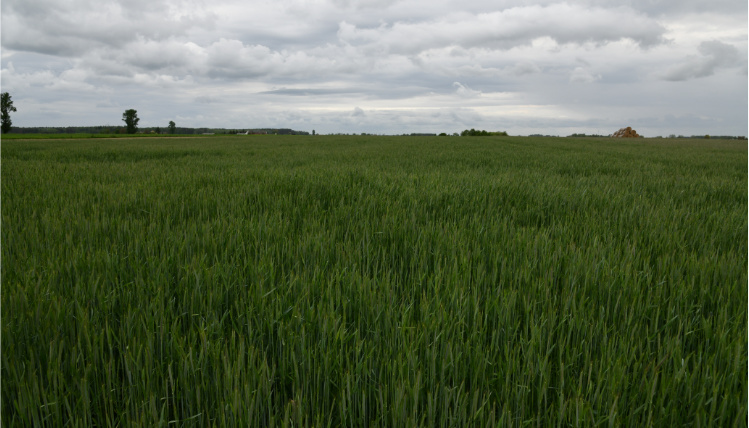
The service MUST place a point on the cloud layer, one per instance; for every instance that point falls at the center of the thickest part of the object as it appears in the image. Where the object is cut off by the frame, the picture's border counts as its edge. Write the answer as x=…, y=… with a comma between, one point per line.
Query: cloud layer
x=383, y=66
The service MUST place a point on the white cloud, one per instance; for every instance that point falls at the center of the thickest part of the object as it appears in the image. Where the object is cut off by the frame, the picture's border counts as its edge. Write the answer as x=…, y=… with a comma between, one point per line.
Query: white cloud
x=465, y=91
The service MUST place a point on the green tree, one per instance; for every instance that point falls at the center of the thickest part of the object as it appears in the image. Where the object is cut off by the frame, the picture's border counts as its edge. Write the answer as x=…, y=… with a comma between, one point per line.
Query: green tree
x=6, y=108
x=130, y=117
x=172, y=127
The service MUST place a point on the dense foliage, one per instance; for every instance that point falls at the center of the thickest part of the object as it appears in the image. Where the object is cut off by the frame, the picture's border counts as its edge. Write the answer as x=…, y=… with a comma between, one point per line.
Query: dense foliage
x=482, y=133
x=6, y=107
x=374, y=281
x=131, y=119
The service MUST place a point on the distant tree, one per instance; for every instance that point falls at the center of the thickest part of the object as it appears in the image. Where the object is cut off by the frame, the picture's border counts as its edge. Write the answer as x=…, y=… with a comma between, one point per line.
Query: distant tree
x=313, y=132
x=172, y=127
x=482, y=133
x=158, y=130
x=7, y=107
x=130, y=117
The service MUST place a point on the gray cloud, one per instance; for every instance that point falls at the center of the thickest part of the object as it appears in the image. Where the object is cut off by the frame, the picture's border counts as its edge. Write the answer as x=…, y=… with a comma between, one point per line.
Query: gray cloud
x=508, y=28
x=304, y=92
x=581, y=75
x=363, y=4
x=524, y=68
x=407, y=66
x=77, y=26
x=672, y=8
x=713, y=55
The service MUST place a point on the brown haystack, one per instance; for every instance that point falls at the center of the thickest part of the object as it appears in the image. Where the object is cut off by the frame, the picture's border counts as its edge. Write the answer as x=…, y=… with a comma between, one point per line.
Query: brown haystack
x=627, y=132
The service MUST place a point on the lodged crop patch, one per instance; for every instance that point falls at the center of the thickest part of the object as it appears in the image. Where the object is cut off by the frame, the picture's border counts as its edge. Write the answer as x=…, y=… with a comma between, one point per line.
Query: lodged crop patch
x=374, y=281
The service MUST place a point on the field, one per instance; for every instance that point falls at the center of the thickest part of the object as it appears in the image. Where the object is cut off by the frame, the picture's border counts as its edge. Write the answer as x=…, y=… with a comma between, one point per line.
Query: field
x=374, y=281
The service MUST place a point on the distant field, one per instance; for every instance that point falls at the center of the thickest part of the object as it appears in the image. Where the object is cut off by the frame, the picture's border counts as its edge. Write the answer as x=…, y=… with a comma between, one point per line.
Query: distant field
x=81, y=136
x=374, y=281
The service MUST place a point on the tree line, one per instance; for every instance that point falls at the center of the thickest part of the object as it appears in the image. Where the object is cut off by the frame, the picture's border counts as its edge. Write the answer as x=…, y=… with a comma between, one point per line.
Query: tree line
x=475, y=133
x=131, y=119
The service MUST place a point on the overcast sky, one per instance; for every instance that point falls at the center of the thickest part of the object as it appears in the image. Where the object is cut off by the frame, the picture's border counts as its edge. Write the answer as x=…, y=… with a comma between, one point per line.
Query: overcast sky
x=381, y=66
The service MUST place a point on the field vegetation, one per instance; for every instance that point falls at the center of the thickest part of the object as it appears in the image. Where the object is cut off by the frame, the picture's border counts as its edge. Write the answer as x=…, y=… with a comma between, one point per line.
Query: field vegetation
x=374, y=281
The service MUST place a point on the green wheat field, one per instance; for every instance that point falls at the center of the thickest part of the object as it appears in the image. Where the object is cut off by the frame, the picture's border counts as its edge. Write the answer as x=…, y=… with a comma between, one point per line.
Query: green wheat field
x=374, y=281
